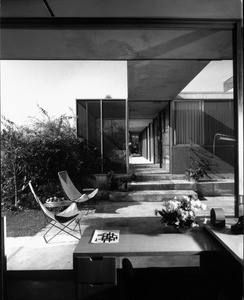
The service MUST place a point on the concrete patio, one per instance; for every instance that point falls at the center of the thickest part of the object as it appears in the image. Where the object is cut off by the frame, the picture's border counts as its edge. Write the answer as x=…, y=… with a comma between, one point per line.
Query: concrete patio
x=32, y=253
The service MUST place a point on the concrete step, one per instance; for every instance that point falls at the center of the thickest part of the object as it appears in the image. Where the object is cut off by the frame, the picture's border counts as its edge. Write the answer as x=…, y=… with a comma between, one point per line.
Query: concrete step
x=222, y=187
x=158, y=176
x=149, y=195
x=225, y=187
x=161, y=185
x=147, y=176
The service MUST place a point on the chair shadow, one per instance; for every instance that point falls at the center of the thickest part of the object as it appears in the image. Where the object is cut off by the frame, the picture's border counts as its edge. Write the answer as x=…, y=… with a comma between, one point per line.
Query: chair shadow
x=110, y=208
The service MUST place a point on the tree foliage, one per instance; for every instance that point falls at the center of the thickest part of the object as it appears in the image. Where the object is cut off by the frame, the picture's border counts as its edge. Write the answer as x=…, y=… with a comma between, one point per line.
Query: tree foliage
x=37, y=153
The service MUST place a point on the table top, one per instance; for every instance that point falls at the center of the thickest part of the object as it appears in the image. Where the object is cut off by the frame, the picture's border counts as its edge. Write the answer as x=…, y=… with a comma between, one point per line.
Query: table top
x=233, y=243
x=57, y=204
x=147, y=241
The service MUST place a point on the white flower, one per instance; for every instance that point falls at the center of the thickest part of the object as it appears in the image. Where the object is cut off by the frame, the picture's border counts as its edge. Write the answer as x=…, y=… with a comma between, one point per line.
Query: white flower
x=182, y=214
x=186, y=198
x=197, y=204
x=171, y=205
x=204, y=206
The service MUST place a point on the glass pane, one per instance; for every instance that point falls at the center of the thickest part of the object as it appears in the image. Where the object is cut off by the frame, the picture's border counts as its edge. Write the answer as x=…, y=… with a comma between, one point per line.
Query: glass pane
x=94, y=124
x=81, y=121
x=88, y=125
x=114, y=138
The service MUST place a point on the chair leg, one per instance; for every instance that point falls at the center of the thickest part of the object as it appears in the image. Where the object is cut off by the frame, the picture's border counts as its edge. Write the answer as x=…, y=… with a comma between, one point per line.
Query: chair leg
x=60, y=230
x=77, y=224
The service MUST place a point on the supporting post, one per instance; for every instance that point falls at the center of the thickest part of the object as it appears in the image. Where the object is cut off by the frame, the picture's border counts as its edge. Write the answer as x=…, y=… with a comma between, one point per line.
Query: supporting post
x=127, y=135
x=160, y=139
x=238, y=98
x=101, y=132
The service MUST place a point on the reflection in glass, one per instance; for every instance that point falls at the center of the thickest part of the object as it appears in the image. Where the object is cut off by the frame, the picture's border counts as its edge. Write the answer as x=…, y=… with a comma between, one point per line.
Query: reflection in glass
x=114, y=141
x=108, y=136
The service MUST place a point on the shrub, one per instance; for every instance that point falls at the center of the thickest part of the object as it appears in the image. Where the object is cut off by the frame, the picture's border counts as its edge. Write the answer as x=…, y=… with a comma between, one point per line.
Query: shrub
x=37, y=153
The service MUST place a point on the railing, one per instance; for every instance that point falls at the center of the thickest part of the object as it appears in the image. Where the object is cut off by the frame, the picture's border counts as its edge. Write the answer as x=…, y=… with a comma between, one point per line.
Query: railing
x=222, y=137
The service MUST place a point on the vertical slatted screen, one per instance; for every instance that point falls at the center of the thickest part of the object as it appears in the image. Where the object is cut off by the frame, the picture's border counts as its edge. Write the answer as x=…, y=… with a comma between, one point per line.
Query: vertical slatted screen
x=188, y=122
x=196, y=122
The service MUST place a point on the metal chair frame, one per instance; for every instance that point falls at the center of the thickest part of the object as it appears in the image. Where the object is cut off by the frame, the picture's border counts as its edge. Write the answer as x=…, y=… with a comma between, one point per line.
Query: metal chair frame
x=73, y=194
x=65, y=221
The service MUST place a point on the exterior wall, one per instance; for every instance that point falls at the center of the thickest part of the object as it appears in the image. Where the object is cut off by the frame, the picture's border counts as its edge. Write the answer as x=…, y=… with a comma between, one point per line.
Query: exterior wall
x=207, y=120
x=222, y=164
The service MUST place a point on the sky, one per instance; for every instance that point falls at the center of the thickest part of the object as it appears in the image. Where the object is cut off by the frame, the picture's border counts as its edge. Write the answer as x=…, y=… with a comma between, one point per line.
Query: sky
x=55, y=85
x=212, y=77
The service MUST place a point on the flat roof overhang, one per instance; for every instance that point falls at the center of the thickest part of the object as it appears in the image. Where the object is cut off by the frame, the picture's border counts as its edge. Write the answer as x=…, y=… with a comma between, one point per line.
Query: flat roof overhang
x=162, y=56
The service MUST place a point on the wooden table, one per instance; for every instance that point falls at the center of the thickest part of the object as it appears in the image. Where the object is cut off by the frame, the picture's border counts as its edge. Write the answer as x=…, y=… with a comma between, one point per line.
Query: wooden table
x=57, y=204
x=95, y=264
x=134, y=242
x=233, y=243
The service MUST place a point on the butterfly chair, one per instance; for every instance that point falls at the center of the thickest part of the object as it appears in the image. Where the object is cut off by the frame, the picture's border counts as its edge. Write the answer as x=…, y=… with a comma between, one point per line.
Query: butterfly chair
x=60, y=220
x=72, y=193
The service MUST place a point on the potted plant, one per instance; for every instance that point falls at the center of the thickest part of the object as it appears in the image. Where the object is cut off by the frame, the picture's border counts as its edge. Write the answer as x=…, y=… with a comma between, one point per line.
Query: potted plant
x=119, y=183
x=196, y=171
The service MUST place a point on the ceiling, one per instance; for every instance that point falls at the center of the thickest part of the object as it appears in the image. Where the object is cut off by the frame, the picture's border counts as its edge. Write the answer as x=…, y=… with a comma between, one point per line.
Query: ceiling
x=161, y=62
x=141, y=113
x=217, y=9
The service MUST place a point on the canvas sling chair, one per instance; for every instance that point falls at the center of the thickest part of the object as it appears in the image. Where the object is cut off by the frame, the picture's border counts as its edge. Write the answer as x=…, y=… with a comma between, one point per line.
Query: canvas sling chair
x=73, y=194
x=60, y=220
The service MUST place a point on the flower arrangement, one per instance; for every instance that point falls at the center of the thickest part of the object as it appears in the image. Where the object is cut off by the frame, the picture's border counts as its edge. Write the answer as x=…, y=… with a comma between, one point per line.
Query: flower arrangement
x=180, y=213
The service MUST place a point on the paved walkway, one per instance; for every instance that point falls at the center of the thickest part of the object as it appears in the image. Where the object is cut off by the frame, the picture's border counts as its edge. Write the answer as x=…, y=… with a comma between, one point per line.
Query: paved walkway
x=32, y=253
x=139, y=164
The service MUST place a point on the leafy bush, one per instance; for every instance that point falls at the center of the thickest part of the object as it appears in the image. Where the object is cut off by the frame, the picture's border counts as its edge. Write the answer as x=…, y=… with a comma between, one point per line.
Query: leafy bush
x=37, y=153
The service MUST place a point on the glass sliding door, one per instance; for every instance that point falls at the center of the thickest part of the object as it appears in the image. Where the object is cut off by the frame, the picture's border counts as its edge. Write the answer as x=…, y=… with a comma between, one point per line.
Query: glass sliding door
x=89, y=125
x=94, y=124
x=114, y=135
x=102, y=123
